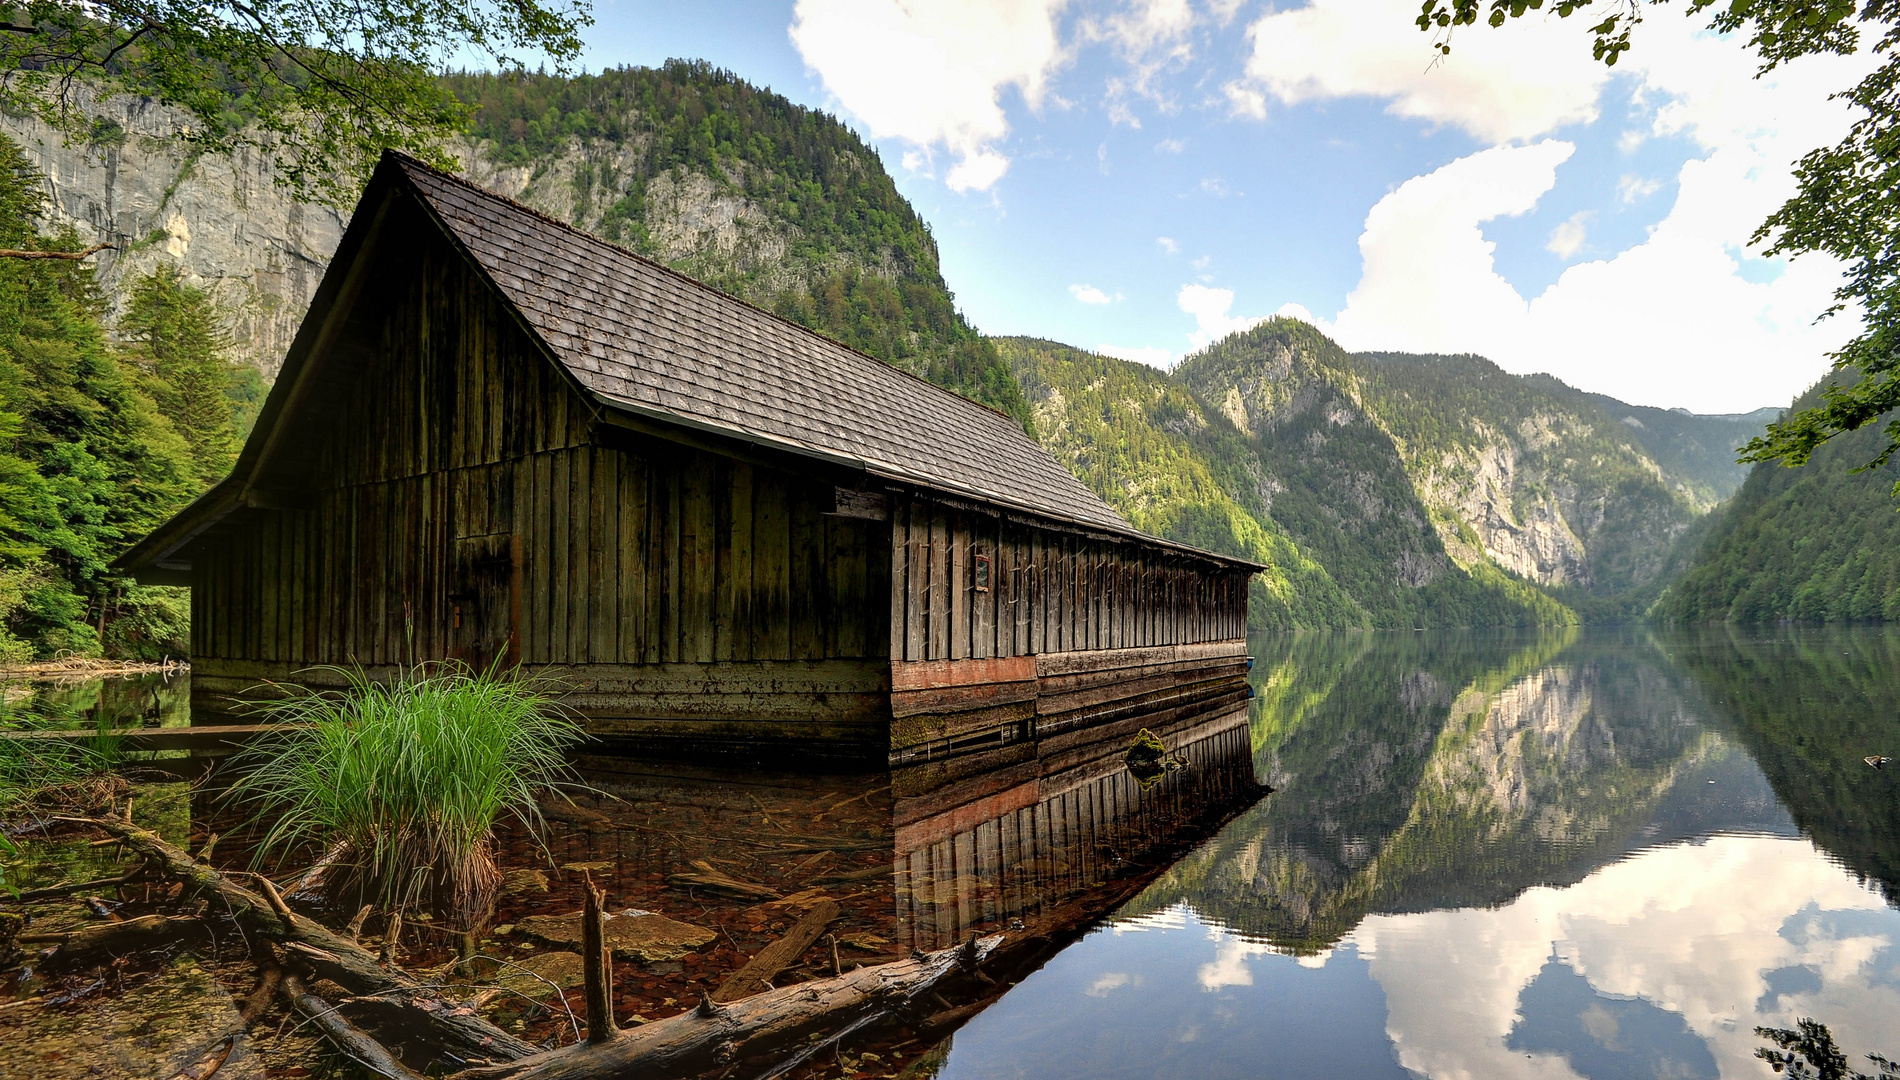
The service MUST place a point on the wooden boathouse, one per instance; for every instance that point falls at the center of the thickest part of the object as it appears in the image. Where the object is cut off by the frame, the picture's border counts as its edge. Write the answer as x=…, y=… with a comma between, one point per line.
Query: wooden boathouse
x=496, y=437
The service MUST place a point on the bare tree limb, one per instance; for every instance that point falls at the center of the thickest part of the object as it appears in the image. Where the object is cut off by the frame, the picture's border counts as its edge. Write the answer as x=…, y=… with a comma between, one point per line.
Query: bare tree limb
x=12, y=253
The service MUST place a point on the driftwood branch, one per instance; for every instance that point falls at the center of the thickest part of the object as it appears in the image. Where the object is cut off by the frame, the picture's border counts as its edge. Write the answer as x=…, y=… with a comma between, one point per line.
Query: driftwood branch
x=15, y=253
x=758, y=972
x=778, y=1022
x=346, y=1036
x=140, y=933
x=52, y=891
x=403, y=1000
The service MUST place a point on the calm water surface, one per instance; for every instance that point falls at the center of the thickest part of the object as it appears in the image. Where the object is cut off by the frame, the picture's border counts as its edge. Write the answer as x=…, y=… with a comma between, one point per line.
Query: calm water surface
x=1605, y=854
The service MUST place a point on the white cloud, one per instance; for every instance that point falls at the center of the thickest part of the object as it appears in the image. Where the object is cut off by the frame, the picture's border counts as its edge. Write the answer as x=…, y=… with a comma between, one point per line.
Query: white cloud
x=1110, y=982
x=1168, y=245
x=1631, y=188
x=1152, y=355
x=1151, y=36
x=1215, y=186
x=932, y=72
x=1170, y=146
x=1524, y=80
x=1645, y=324
x=1089, y=294
x=1211, y=310
x=1567, y=238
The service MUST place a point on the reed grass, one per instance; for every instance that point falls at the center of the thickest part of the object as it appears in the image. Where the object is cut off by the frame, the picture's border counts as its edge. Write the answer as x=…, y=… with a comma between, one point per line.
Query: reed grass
x=402, y=782
x=74, y=774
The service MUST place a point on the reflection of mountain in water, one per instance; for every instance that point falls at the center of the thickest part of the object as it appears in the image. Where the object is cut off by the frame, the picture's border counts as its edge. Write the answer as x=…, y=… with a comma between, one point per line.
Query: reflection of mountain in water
x=1809, y=706
x=1418, y=773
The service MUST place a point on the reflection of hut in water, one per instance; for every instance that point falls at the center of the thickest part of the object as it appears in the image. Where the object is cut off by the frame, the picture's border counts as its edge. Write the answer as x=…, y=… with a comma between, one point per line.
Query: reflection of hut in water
x=497, y=437
x=921, y=855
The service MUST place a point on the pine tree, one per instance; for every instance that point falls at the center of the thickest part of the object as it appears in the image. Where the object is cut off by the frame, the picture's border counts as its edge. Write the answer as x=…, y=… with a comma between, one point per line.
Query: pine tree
x=176, y=340
x=87, y=463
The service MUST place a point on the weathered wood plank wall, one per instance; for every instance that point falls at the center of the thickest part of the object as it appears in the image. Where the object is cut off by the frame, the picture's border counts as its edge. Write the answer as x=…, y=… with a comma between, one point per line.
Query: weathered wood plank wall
x=662, y=580
x=1050, y=591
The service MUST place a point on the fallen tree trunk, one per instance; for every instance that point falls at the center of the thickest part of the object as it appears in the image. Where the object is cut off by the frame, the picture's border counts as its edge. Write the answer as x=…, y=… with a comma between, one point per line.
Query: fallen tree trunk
x=776, y=1022
x=140, y=933
x=401, y=1000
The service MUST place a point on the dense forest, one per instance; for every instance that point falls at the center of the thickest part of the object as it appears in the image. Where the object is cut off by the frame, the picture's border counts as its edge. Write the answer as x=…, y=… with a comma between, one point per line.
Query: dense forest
x=822, y=235
x=1819, y=543
x=103, y=434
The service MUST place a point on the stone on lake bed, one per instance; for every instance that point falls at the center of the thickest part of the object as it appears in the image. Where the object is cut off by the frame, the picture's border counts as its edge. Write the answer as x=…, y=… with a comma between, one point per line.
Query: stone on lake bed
x=532, y=975
x=632, y=934
x=520, y=881
x=577, y=867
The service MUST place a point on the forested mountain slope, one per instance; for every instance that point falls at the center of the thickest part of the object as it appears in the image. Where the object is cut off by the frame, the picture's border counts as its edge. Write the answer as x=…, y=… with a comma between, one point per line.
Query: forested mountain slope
x=776, y=203
x=773, y=202
x=1432, y=490
x=1818, y=543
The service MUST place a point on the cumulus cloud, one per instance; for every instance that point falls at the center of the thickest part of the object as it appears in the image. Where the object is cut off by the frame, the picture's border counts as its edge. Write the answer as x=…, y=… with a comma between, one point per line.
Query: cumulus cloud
x=1692, y=928
x=1631, y=188
x=933, y=72
x=1212, y=311
x=1524, y=80
x=1641, y=324
x=1167, y=244
x=1170, y=146
x=1089, y=294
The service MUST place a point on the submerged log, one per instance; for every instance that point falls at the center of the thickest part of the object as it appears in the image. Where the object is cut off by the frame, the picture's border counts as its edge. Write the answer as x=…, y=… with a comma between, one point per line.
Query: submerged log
x=782, y=1021
x=758, y=972
x=143, y=932
x=395, y=996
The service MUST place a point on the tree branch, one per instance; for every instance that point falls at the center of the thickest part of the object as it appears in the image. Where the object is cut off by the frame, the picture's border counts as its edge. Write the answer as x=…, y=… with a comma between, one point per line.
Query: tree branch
x=11, y=253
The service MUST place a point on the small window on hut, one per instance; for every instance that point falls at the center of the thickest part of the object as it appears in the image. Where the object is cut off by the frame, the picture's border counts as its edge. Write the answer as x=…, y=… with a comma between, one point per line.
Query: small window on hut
x=982, y=564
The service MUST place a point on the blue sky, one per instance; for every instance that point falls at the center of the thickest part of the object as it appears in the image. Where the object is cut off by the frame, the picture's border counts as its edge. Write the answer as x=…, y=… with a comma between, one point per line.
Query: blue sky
x=1141, y=176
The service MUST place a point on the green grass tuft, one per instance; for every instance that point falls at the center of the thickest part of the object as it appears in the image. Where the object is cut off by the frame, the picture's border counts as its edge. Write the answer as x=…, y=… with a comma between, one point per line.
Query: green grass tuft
x=403, y=782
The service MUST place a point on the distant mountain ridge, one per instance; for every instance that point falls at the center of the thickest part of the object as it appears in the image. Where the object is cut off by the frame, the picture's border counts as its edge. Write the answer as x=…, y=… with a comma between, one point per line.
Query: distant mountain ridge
x=1422, y=490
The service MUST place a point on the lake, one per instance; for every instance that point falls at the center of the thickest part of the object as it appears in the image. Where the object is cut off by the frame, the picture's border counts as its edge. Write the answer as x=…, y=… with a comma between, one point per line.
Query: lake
x=1604, y=853
x=1595, y=854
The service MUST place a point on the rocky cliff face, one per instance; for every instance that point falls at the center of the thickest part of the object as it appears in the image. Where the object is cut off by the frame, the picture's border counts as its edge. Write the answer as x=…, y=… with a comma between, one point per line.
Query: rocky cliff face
x=1526, y=475
x=233, y=230
x=222, y=220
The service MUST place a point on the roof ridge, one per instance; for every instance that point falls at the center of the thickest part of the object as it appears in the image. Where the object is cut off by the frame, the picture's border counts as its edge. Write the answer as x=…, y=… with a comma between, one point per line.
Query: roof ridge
x=409, y=161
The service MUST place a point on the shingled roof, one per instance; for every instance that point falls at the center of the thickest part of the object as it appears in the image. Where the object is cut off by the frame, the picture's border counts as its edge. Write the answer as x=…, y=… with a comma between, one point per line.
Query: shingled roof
x=646, y=339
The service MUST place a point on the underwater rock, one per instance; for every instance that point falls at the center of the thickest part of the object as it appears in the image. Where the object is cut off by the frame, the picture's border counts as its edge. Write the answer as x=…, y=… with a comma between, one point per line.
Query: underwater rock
x=156, y=1028
x=521, y=881
x=1146, y=751
x=632, y=934
x=532, y=975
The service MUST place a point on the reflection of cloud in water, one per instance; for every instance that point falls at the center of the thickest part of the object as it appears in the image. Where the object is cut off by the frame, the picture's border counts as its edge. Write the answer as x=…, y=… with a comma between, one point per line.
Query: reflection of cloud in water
x=1695, y=930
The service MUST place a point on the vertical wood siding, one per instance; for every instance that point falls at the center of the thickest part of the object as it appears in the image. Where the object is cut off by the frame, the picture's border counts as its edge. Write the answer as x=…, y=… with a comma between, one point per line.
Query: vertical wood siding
x=1050, y=591
x=635, y=552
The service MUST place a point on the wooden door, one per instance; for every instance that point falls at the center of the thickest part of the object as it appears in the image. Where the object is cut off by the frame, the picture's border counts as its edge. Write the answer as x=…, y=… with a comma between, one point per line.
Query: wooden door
x=485, y=600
